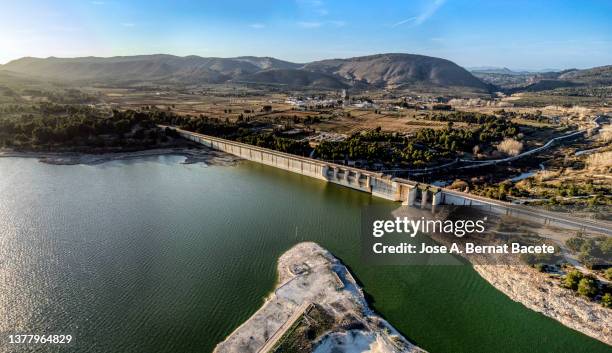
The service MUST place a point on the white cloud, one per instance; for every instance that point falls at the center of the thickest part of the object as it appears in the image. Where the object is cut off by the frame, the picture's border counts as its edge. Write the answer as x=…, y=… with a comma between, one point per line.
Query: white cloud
x=317, y=24
x=309, y=24
x=338, y=23
x=257, y=25
x=423, y=16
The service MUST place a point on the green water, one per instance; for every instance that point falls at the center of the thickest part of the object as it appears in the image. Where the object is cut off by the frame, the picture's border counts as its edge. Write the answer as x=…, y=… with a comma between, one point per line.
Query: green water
x=156, y=256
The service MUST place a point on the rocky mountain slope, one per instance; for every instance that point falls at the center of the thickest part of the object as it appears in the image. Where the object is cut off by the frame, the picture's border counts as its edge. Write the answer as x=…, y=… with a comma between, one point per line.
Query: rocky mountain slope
x=395, y=70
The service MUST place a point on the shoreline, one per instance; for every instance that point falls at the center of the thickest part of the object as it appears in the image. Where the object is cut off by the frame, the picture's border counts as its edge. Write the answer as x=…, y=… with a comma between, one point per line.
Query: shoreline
x=539, y=293
x=314, y=290
x=542, y=293
x=521, y=284
x=192, y=155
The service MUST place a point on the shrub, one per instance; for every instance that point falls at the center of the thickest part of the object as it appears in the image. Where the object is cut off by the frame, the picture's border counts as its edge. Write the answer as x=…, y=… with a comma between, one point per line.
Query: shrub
x=589, y=247
x=574, y=243
x=587, y=287
x=587, y=260
x=606, y=300
x=606, y=247
x=608, y=274
x=510, y=147
x=572, y=279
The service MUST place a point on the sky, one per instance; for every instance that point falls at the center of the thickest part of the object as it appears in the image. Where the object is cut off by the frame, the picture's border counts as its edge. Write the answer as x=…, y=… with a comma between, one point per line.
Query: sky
x=518, y=34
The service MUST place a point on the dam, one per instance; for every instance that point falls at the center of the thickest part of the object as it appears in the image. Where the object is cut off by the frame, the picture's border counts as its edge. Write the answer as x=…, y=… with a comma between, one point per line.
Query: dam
x=408, y=192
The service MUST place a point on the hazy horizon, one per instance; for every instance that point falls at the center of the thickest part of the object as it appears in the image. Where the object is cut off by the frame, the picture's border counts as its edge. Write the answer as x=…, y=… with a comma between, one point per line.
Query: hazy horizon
x=522, y=35
x=476, y=67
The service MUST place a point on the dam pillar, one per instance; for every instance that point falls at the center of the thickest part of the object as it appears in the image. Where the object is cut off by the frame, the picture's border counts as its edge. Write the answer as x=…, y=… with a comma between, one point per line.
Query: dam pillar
x=324, y=171
x=437, y=198
x=369, y=183
x=412, y=192
x=335, y=173
x=397, y=191
x=424, y=197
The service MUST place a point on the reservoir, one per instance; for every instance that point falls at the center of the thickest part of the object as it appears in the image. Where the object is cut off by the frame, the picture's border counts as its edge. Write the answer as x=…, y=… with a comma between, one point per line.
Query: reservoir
x=152, y=255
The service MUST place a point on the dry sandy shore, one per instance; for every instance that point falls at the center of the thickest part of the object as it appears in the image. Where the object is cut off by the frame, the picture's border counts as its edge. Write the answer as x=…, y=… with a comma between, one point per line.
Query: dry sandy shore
x=193, y=155
x=309, y=274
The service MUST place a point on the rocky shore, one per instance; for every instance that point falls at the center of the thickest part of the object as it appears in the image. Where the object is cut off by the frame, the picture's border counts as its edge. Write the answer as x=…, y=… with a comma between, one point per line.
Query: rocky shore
x=540, y=293
x=536, y=290
x=193, y=155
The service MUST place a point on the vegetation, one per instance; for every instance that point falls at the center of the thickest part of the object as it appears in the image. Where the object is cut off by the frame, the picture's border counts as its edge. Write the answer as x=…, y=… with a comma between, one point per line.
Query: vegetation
x=572, y=279
x=425, y=146
x=591, y=251
x=510, y=147
x=600, y=161
x=606, y=300
x=271, y=141
x=587, y=287
x=300, y=337
x=608, y=274
x=49, y=126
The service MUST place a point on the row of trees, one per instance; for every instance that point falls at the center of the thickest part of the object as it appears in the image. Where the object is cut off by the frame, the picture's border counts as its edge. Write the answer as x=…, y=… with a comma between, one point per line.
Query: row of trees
x=269, y=140
x=425, y=146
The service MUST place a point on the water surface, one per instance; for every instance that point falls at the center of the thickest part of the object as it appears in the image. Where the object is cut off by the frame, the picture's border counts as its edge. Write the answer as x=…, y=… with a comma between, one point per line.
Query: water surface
x=155, y=256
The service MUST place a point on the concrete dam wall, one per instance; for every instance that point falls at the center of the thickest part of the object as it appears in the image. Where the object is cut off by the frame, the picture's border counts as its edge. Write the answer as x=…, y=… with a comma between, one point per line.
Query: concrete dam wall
x=384, y=186
x=377, y=184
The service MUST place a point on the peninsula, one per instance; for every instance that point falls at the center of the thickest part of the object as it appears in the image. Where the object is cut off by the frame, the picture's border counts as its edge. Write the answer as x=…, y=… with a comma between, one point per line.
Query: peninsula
x=317, y=306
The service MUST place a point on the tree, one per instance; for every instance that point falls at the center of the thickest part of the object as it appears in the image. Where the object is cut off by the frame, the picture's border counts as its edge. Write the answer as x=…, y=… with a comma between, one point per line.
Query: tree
x=606, y=247
x=608, y=274
x=574, y=243
x=42, y=134
x=572, y=279
x=606, y=300
x=587, y=287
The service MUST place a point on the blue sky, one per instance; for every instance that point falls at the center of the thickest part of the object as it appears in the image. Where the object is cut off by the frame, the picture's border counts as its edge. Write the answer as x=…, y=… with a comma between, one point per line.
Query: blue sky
x=532, y=34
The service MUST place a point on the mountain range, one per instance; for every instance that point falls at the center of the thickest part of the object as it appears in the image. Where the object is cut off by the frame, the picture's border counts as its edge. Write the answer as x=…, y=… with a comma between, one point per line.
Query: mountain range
x=513, y=81
x=376, y=71
x=373, y=71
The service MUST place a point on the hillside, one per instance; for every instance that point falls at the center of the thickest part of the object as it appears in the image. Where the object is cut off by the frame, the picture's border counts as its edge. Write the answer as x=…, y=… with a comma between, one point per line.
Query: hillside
x=134, y=68
x=294, y=78
x=396, y=70
x=601, y=75
x=382, y=70
x=541, y=81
